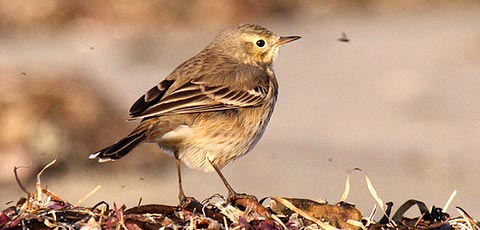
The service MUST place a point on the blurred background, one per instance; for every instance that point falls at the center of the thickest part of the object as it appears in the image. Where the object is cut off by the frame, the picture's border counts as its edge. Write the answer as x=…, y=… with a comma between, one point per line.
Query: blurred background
x=401, y=99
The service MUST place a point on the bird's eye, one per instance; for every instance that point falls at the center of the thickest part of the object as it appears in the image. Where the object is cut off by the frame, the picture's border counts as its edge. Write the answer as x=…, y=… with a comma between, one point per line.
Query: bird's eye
x=260, y=43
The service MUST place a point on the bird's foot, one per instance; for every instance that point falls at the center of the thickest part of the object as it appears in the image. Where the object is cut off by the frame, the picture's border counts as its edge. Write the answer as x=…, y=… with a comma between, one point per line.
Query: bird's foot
x=243, y=201
x=187, y=202
x=233, y=197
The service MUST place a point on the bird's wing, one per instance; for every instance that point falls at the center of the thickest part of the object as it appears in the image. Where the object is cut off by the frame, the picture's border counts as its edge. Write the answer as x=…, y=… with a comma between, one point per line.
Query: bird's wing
x=196, y=96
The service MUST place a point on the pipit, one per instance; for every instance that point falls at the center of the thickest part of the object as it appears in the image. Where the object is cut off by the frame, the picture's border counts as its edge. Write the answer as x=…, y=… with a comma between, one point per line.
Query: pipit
x=211, y=109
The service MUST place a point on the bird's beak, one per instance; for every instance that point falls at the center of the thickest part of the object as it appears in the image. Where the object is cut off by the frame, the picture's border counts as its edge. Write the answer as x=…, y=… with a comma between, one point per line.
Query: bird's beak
x=287, y=39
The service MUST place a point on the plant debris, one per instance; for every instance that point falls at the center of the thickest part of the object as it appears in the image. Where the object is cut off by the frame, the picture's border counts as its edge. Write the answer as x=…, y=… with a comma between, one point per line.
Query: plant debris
x=43, y=209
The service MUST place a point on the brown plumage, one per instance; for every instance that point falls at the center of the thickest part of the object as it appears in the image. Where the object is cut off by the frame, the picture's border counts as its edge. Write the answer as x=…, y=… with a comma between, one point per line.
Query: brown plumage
x=214, y=107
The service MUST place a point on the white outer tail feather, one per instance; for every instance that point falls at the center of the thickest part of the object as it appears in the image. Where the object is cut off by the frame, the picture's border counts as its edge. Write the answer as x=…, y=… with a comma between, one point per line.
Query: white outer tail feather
x=94, y=155
x=100, y=160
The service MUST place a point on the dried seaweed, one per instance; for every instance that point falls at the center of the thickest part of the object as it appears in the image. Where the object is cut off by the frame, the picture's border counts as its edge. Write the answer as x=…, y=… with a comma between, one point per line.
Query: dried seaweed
x=43, y=209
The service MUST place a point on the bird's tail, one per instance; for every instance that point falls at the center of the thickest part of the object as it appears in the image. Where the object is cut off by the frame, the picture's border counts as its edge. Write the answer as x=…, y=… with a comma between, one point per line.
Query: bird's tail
x=120, y=148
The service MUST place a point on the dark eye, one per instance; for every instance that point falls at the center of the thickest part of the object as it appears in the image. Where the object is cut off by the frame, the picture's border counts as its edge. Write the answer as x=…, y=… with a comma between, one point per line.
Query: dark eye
x=260, y=43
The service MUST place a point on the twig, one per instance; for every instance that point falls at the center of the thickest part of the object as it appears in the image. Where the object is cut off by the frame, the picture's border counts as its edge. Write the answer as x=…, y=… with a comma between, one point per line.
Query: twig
x=39, y=183
x=17, y=178
x=372, y=214
x=347, y=188
x=88, y=195
x=449, y=201
x=467, y=218
x=356, y=223
x=372, y=191
x=419, y=219
x=292, y=207
x=276, y=219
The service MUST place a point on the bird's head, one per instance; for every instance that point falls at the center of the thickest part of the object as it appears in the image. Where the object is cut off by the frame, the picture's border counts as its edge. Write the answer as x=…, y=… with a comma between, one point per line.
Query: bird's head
x=251, y=44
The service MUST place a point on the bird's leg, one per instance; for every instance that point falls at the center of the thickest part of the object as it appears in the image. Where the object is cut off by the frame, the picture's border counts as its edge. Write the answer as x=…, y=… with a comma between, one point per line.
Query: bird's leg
x=185, y=202
x=231, y=192
x=232, y=195
x=181, y=195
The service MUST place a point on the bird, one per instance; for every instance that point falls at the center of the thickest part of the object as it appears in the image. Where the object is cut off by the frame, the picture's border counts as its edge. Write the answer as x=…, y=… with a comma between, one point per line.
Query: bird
x=212, y=108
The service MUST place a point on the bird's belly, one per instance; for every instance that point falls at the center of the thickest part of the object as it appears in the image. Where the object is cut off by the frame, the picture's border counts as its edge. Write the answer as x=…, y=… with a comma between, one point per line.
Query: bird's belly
x=197, y=155
x=222, y=141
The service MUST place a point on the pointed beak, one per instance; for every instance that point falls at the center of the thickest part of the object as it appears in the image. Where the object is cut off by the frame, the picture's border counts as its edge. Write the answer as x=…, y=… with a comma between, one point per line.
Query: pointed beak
x=287, y=39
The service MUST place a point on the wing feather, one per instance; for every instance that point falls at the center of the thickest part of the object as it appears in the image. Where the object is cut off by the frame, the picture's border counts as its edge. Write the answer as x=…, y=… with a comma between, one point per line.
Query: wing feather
x=196, y=96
